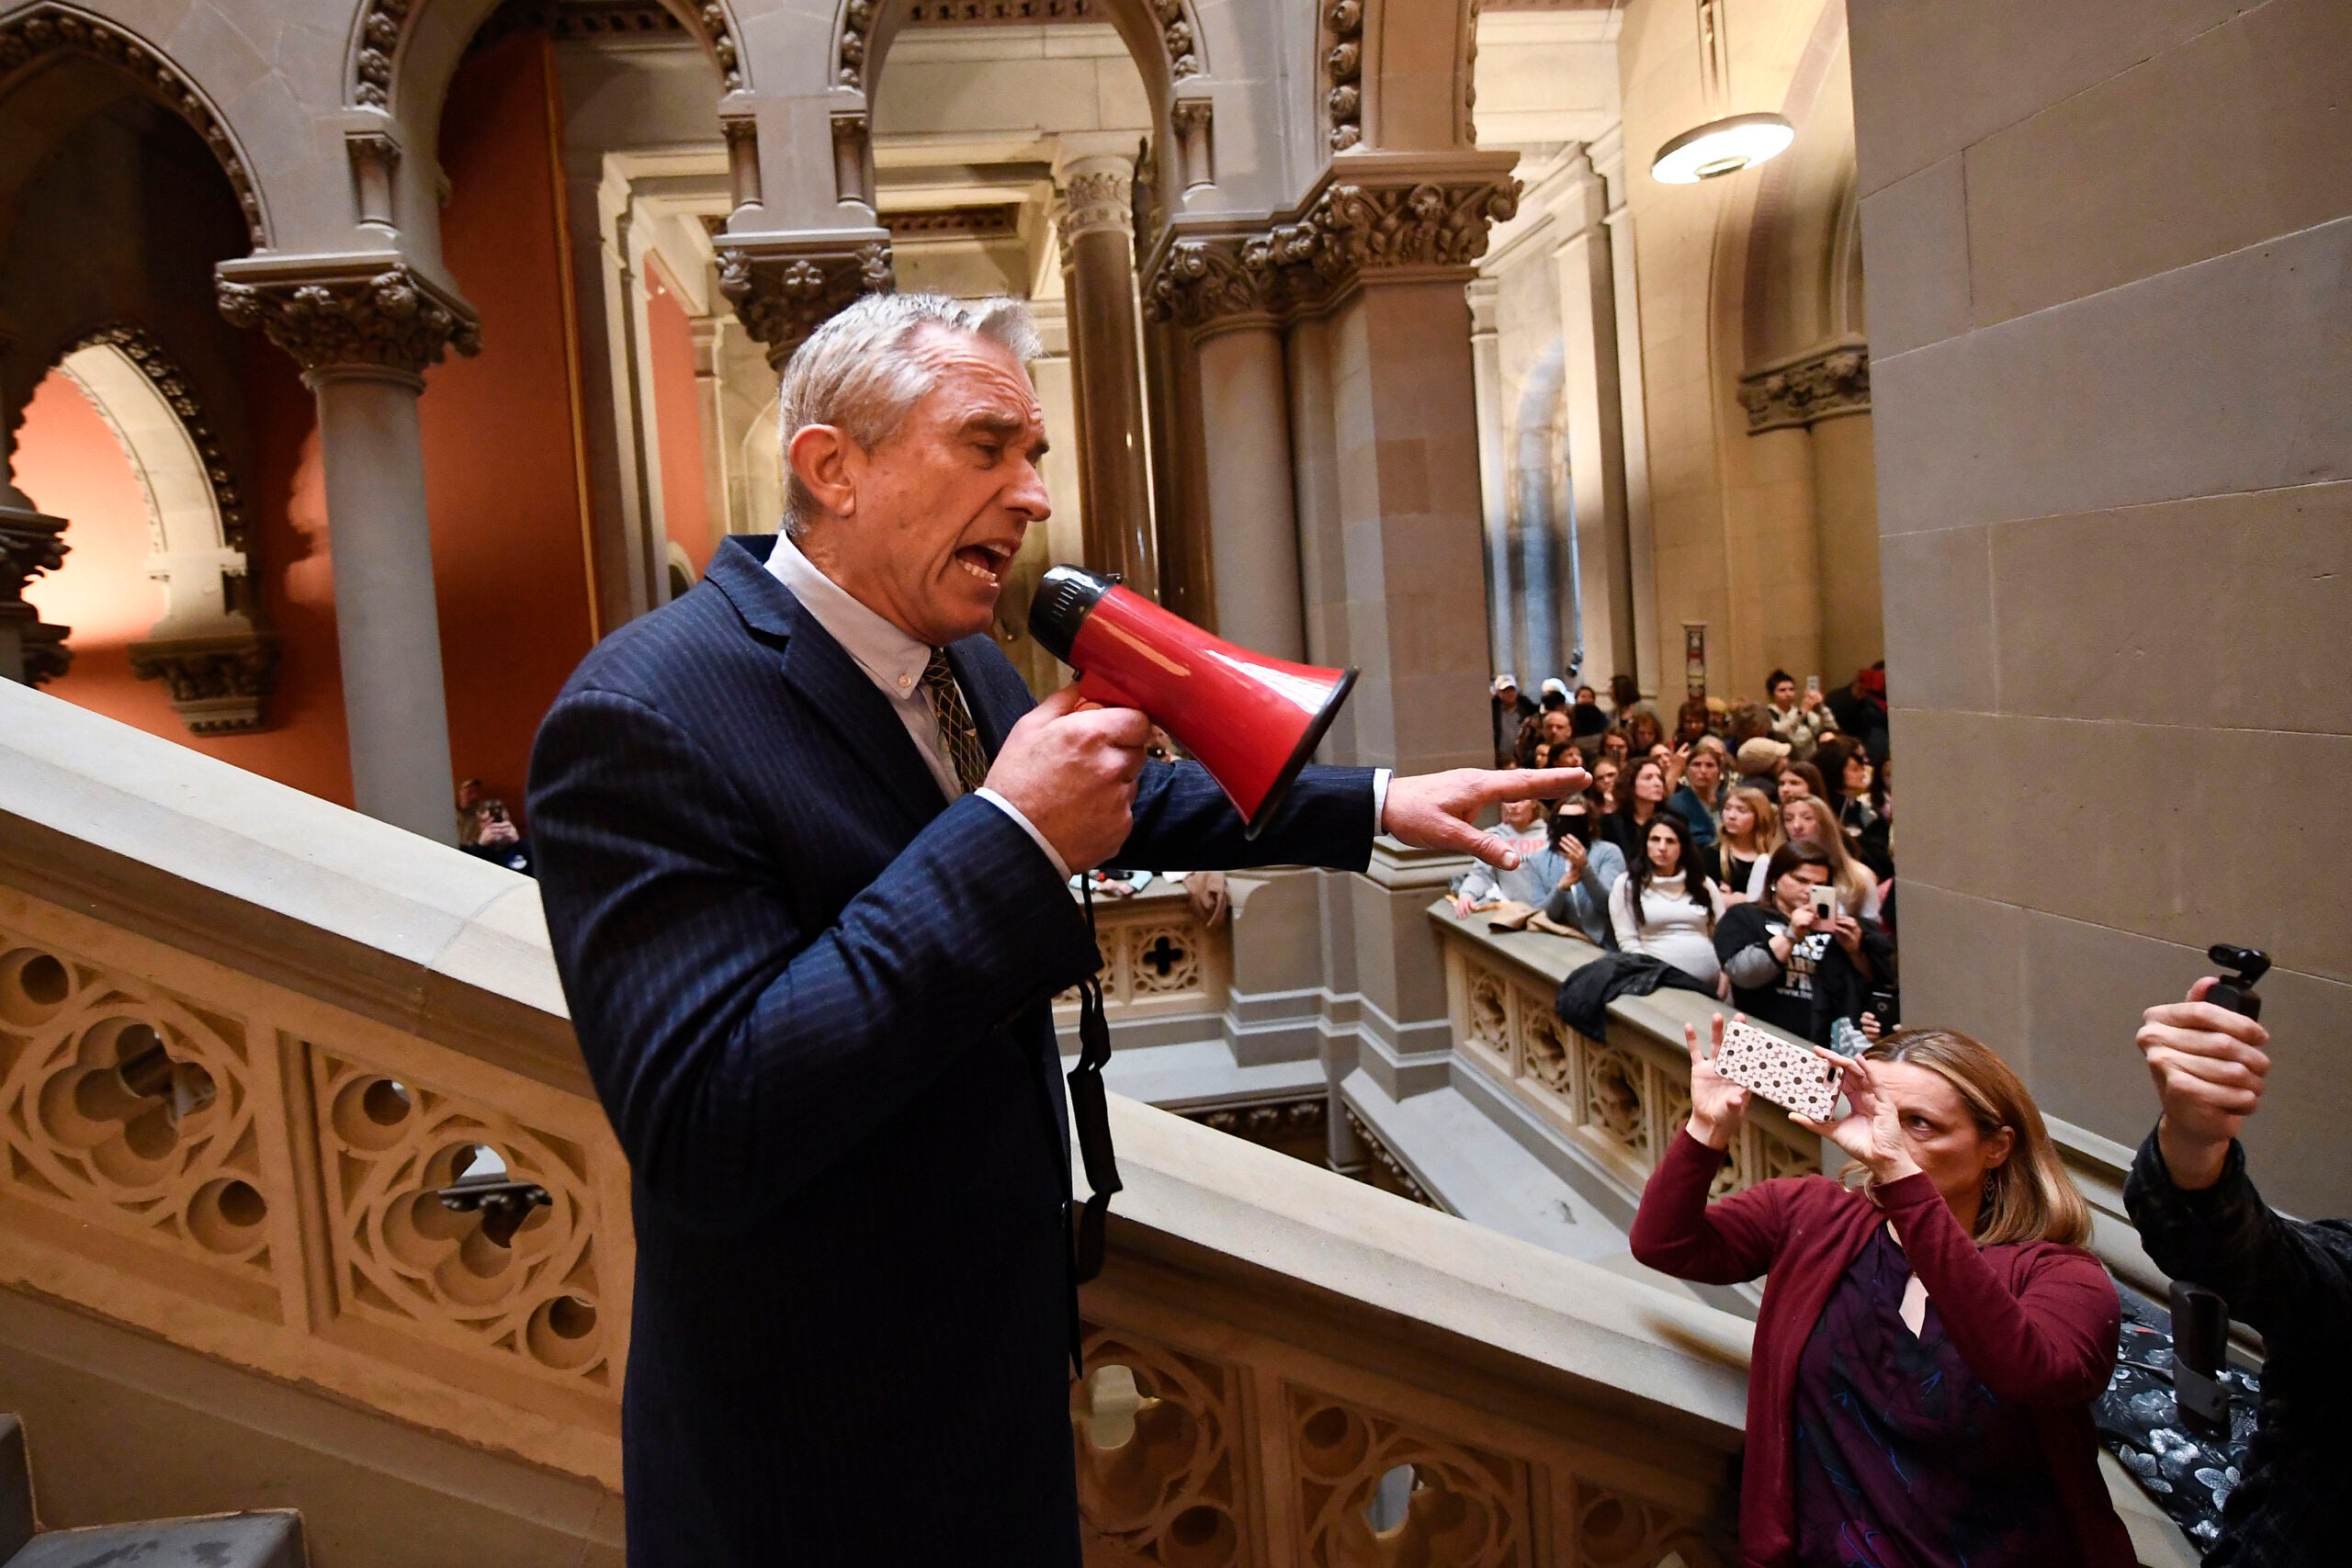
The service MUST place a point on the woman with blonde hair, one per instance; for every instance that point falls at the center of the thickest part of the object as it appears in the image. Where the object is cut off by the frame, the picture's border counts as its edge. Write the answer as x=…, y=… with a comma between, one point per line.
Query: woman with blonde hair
x=1751, y=831
x=1932, y=1334
x=1816, y=821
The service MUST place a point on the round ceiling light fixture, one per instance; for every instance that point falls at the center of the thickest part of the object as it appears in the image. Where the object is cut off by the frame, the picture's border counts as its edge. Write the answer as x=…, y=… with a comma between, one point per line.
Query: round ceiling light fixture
x=1722, y=147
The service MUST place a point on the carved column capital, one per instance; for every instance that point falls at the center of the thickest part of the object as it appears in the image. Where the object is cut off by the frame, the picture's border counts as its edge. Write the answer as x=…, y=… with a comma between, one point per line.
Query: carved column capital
x=31, y=650
x=381, y=315
x=1346, y=233
x=1820, y=385
x=1097, y=195
x=218, y=685
x=783, y=296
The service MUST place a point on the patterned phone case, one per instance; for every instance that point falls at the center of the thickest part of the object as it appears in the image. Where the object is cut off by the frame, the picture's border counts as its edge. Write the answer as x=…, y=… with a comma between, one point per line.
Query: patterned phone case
x=1791, y=1076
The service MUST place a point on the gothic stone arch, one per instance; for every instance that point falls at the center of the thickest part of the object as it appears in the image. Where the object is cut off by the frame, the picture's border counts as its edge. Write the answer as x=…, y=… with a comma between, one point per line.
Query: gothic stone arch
x=39, y=33
x=207, y=648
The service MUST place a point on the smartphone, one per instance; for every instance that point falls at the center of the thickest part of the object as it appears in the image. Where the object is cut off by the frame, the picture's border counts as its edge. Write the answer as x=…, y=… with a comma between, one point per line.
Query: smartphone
x=1812, y=682
x=1787, y=1074
x=1824, y=904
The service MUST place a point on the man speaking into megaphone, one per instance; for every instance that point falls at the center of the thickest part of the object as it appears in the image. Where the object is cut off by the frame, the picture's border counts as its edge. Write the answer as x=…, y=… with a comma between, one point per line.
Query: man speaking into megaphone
x=804, y=841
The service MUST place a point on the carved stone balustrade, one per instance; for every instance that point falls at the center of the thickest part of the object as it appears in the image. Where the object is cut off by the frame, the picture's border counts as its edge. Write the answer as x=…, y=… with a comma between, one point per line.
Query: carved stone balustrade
x=1617, y=1101
x=1165, y=974
x=247, y=1038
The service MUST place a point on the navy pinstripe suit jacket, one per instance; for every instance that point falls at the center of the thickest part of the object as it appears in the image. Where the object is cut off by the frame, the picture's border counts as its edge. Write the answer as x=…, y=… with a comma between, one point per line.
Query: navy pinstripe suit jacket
x=815, y=999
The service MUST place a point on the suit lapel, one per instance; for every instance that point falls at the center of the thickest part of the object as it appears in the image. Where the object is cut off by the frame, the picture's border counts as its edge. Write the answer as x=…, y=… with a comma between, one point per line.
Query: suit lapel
x=823, y=675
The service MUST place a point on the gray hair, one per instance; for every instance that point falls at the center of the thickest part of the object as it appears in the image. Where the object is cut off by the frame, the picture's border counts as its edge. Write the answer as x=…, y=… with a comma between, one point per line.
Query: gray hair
x=862, y=371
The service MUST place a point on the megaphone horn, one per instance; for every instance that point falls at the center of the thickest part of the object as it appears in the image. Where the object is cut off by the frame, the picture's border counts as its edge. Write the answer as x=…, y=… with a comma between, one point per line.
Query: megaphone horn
x=1253, y=721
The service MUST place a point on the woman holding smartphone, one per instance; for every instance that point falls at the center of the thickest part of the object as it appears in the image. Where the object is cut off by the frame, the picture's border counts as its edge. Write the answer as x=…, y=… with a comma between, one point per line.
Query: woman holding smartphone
x=1792, y=959
x=1932, y=1334
x=1810, y=820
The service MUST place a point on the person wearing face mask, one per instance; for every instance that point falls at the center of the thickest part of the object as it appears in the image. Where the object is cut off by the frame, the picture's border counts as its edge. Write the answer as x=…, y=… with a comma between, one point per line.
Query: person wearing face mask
x=1789, y=967
x=1933, y=1335
x=1584, y=871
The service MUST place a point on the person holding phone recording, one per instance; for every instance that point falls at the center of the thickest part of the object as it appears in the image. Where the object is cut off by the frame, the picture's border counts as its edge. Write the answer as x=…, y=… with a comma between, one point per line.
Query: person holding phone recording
x=1795, y=961
x=2200, y=1218
x=1932, y=1334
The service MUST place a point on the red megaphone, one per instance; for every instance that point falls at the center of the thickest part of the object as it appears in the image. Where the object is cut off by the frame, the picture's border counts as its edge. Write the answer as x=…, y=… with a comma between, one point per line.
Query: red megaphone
x=1251, y=721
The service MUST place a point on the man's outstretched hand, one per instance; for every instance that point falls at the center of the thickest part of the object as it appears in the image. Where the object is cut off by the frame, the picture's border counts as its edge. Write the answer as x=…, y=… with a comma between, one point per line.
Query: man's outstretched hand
x=1433, y=811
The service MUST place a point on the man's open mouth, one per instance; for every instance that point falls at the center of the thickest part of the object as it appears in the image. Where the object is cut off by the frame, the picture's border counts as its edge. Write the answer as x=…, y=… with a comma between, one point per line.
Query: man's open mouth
x=986, y=562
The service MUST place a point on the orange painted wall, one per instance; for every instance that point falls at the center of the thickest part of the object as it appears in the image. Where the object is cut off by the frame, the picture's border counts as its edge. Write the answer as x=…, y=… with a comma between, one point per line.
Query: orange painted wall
x=70, y=463
x=501, y=468
x=501, y=482
x=677, y=421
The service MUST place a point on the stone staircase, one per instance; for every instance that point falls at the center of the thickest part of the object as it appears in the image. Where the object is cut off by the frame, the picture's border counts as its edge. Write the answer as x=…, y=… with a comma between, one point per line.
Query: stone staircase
x=271, y=1538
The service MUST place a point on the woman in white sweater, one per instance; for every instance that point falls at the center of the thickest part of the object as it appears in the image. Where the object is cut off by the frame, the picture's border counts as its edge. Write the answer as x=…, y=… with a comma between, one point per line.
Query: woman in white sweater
x=1664, y=908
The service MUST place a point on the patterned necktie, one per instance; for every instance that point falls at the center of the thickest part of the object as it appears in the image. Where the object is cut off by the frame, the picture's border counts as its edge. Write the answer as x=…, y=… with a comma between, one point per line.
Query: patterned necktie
x=957, y=733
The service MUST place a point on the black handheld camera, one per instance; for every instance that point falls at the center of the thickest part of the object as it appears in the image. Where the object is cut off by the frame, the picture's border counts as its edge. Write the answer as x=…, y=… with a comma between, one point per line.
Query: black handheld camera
x=2236, y=990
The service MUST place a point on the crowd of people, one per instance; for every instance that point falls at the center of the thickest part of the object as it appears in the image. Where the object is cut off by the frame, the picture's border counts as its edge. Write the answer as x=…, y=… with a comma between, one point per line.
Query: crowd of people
x=1750, y=847
x=1935, y=1337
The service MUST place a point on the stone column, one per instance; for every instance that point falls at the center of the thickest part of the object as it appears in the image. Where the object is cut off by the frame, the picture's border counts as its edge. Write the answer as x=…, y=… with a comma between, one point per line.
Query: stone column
x=1095, y=216
x=1608, y=158
x=1494, y=492
x=364, y=330
x=1585, y=267
x=1253, y=524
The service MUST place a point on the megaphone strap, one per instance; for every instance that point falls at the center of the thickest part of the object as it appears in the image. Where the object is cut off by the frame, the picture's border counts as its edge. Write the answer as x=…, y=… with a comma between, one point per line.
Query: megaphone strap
x=1091, y=1106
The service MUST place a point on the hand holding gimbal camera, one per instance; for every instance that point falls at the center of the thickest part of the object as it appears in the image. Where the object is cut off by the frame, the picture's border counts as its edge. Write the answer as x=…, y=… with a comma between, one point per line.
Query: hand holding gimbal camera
x=2206, y=1055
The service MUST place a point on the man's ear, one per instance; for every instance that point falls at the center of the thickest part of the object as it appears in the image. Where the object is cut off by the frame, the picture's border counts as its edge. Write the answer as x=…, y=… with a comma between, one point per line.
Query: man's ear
x=829, y=463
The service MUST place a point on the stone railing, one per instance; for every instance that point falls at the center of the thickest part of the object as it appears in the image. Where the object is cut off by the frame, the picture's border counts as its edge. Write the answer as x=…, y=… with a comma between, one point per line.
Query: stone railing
x=1616, y=1102
x=249, y=1040
x=245, y=1039
x=1165, y=974
x=1289, y=1366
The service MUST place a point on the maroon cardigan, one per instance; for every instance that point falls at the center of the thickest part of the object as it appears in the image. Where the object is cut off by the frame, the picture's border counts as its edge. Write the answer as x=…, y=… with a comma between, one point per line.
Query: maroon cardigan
x=2035, y=1321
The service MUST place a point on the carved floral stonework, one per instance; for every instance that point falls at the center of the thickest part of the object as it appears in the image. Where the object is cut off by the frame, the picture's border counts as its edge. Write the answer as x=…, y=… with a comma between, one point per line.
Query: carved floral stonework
x=1399, y=1180
x=30, y=543
x=1343, y=73
x=1095, y=200
x=387, y=22
x=1622, y=1100
x=392, y=319
x=1820, y=386
x=783, y=299
x=853, y=48
x=130, y=1109
x=218, y=685
x=42, y=30
x=258, y=1176
x=404, y=1258
x=1158, y=1436
x=1467, y=1507
x=1348, y=232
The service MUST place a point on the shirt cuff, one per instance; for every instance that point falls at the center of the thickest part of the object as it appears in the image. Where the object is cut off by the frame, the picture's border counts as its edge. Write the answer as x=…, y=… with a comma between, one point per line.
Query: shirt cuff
x=1026, y=825
x=1380, y=800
